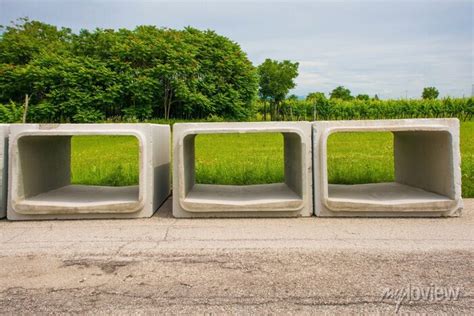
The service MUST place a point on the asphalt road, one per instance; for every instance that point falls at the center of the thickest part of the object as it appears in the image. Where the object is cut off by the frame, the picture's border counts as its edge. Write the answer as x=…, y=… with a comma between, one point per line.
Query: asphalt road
x=309, y=265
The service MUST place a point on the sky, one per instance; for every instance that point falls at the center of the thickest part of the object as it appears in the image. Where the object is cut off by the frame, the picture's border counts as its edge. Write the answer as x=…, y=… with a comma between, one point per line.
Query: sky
x=391, y=48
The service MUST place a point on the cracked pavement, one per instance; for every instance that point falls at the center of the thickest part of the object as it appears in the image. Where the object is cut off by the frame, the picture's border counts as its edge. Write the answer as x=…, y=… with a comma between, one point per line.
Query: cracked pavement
x=299, y=265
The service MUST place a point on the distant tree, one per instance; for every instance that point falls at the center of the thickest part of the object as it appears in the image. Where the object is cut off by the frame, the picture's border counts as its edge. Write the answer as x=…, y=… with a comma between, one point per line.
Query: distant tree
x=430, y=93
x=288, y=106
x=376, y=97
x=315, y=96
x=364, y=97
x=341, y=93
x=320, y=105
x=293, y=97
x=276, y=80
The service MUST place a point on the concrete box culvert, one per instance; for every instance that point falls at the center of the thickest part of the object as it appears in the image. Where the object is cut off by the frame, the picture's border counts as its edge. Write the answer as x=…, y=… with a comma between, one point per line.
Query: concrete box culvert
x=40, y=173
x=291, y=198
x=4, y=130
x=427, y=166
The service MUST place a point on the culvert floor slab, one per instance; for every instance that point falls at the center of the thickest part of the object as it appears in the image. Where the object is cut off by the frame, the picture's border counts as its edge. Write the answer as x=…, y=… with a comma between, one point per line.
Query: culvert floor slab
x=385, y=196
x=278, y=194
x=83, y=195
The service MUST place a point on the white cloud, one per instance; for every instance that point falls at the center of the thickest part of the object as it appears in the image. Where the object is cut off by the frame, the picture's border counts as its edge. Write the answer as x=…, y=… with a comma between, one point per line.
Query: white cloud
x=313, y=63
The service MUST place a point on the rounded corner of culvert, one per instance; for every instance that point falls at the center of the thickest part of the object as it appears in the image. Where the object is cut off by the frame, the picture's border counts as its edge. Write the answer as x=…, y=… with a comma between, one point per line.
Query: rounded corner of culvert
x=139, y=206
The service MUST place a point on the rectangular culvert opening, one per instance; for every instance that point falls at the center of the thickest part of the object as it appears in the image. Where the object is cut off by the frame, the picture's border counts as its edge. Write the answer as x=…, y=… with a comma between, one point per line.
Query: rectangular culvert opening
x=239, y=171
x=380, y=171
x=239, y=159
x=360, y=157
x=105, y=160
x=72, y=173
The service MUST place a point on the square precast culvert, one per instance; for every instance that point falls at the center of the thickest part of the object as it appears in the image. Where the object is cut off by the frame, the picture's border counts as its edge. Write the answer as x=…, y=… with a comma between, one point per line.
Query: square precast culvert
x=40, y=173
x=291, y=197
x=427, y=177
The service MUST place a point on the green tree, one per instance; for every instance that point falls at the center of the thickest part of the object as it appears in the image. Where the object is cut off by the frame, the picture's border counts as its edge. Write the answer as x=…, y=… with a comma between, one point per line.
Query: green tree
x=225, y=76
x=315, y=96
x=141, y=73
x=364, y=97
x=276, y=80
x=21, y=41
x=430, y=93
x=320, y=105
x=341, y=93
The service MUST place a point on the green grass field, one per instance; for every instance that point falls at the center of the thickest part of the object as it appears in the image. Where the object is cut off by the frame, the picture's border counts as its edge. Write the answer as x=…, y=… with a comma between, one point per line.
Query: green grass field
x=254, y=158
x=467, y=159
x=239, y=158
x=360, y=158
x=104, y=160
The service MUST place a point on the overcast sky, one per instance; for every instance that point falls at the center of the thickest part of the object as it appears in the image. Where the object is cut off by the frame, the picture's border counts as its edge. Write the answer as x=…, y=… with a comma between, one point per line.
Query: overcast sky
x=392, y=48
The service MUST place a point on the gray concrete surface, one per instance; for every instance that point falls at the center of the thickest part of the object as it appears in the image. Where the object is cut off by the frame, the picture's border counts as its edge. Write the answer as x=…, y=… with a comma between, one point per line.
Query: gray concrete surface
x=426, y=160
x=4, y=130
x=195, y=200
x=264, y=197
x=387, y=196
x=298, y=265
x=76, y=198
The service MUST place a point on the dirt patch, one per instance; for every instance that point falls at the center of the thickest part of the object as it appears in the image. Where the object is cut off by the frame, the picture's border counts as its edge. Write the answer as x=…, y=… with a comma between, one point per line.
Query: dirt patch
x=108, y=266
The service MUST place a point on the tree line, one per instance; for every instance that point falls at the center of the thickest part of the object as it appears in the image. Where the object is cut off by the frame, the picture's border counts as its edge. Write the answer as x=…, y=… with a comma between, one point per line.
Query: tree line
x=55, y=75
x=144, y=73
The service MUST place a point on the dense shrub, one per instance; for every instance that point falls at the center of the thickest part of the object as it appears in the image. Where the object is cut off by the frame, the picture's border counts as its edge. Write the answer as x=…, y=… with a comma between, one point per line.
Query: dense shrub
x=134, y=74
